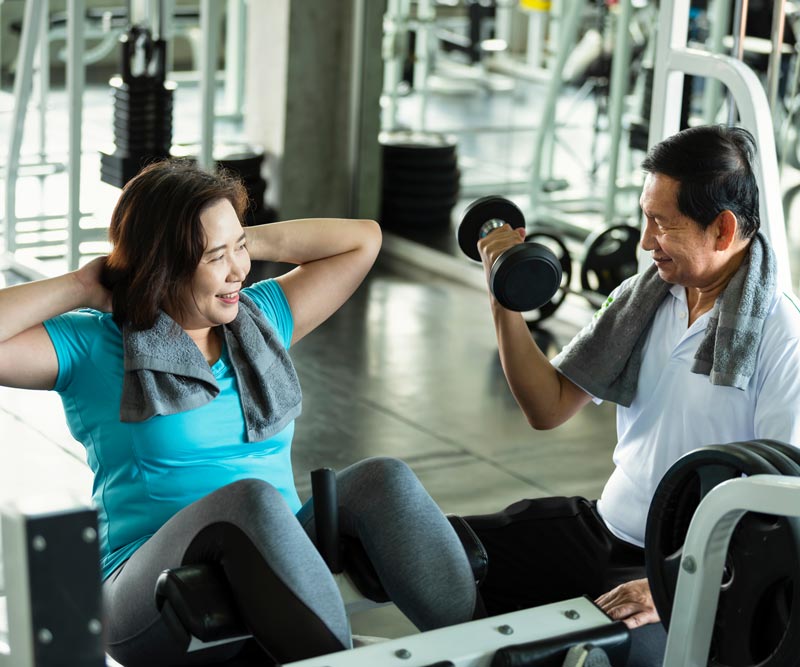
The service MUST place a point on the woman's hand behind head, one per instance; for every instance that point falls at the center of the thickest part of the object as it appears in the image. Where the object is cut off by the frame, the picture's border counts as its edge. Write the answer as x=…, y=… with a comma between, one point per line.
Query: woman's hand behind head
x=90, y=276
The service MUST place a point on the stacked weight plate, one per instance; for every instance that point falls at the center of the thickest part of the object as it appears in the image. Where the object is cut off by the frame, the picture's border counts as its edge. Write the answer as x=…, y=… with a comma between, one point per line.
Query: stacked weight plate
x=246, y=162
x=421, y=179
x=143, y=105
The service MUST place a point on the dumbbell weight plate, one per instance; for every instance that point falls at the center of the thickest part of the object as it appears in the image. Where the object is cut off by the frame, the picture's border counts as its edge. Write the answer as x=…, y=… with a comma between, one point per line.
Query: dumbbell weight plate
x=478, y=213
x=525, y=277
x=758, y=615
x=552, y=241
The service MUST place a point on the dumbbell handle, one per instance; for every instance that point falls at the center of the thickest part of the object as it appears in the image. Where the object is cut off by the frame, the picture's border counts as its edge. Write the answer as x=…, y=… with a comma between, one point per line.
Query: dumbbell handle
x=489, y=226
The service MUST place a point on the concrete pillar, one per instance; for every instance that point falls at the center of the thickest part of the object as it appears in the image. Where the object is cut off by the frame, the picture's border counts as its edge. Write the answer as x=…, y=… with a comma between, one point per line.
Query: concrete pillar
x=314, y=76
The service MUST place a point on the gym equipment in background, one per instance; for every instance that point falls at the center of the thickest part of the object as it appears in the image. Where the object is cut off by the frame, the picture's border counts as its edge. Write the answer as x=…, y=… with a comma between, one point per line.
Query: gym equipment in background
x=757, y=618
x=143, y=102
x=245, y=161
x=421, y=179
x=525, y=276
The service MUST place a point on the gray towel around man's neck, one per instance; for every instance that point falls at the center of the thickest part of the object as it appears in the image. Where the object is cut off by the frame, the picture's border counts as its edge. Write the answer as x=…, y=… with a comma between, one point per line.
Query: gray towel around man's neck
x=605, y=357
x=165, y=372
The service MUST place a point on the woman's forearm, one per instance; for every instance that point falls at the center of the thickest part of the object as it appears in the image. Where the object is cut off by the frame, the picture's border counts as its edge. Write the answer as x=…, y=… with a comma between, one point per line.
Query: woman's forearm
x=29, y=304
x=24, y=306
x=307, y=240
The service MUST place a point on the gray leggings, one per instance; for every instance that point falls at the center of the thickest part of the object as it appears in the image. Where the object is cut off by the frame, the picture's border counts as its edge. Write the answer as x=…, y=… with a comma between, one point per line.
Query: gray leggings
x=282, y=587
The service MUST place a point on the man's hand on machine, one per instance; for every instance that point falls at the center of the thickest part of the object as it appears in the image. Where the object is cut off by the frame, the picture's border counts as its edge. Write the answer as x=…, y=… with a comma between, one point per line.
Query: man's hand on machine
x=630, y=602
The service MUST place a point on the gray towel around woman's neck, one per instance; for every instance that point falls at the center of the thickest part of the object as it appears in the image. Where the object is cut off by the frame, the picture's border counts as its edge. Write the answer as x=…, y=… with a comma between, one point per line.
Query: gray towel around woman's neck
x=165, y=372
x=605, y=357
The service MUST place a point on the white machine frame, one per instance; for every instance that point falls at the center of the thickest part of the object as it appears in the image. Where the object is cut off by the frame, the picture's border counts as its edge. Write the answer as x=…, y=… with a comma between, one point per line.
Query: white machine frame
x=704, y=554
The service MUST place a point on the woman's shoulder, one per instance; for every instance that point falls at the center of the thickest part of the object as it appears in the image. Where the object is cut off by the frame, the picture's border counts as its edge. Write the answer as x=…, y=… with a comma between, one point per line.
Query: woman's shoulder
x=82, y=323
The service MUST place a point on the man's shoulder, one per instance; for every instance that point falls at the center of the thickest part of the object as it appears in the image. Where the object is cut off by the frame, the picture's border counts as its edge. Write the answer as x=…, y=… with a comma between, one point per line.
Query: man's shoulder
x=784, y=318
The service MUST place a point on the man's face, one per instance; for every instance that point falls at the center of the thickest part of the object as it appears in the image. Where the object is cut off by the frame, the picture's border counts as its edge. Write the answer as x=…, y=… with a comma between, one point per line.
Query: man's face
x=684, y=254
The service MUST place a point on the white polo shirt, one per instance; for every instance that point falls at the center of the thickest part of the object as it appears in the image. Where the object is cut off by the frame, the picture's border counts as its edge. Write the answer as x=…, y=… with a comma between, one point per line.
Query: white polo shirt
x=676, y=411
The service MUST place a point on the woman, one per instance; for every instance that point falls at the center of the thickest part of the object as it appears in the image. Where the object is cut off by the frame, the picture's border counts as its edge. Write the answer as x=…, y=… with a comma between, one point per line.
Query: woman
x=185, y=400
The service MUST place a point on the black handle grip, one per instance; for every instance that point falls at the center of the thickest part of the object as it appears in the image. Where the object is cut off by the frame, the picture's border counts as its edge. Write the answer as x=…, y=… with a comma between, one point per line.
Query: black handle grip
x=326, y=517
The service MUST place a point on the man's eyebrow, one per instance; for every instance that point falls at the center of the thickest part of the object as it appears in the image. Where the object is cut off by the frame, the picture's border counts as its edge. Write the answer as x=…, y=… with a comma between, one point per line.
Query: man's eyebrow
x=222, y=247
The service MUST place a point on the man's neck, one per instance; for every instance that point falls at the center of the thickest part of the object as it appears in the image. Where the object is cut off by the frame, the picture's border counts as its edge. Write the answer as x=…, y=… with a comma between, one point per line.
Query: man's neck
x=701, y=299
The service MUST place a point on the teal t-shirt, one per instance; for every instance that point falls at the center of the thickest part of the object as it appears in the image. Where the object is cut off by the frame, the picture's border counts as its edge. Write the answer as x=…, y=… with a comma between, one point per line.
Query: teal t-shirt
x=145, y=472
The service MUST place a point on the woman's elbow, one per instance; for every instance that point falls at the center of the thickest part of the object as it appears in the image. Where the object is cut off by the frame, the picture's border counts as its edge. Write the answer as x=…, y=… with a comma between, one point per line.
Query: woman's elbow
x=372, y=231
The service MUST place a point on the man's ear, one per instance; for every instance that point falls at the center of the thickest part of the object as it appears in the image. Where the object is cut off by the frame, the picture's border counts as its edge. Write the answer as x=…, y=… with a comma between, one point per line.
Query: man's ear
x=726, y=226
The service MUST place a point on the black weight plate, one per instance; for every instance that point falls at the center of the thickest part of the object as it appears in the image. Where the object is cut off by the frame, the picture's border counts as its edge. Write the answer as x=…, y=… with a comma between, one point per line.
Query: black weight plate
x=143, y=106
x=417, y=204
x=525, y=277
x=141, y=89
x=676, y=498
x=784, y=463
x=754, y=623
x=142, y=129
x=140, y=145
x=408, y=143
x=160, y=120
x=415, y=177
x=422, y=187
x=418, y=218
x=788, y=450
x=421, y=161
x=243, y=160
x=421, y=191
x=432, y=220
x=609, y=258
x=555, y=244
x=141, y=102
x=256, y=192
x=481, y=211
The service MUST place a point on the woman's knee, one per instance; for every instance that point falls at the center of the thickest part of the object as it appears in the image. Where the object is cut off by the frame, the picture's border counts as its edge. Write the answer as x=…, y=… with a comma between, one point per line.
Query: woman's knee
x=249, y=497
x=383, y=474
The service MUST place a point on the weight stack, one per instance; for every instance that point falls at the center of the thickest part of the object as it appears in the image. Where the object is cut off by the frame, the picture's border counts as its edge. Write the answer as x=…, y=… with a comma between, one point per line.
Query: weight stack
x=244, y=161
x=421, y=179
x=143, y=104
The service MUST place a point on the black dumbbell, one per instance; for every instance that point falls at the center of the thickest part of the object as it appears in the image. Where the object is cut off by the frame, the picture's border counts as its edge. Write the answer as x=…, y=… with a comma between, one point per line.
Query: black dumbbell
x=524, y=277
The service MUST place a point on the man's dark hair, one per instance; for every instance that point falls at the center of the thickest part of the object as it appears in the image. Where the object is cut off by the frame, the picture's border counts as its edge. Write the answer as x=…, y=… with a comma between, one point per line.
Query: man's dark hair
x=714, y=166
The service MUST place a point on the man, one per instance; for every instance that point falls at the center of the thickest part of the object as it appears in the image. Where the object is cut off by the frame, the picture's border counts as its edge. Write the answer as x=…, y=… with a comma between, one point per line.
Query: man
x=701, y=348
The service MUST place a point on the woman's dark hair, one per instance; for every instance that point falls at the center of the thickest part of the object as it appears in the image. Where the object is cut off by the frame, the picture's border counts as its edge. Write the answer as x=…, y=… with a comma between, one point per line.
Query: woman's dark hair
x=714, y=166
x=158, y=239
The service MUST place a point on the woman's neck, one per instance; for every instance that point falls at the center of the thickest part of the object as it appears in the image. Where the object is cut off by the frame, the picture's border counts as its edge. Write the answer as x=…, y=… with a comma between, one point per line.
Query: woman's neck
x=208, y=341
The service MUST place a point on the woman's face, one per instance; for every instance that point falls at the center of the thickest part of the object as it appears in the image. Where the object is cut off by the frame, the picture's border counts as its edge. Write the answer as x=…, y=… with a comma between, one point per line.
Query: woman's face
x=213, y=296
